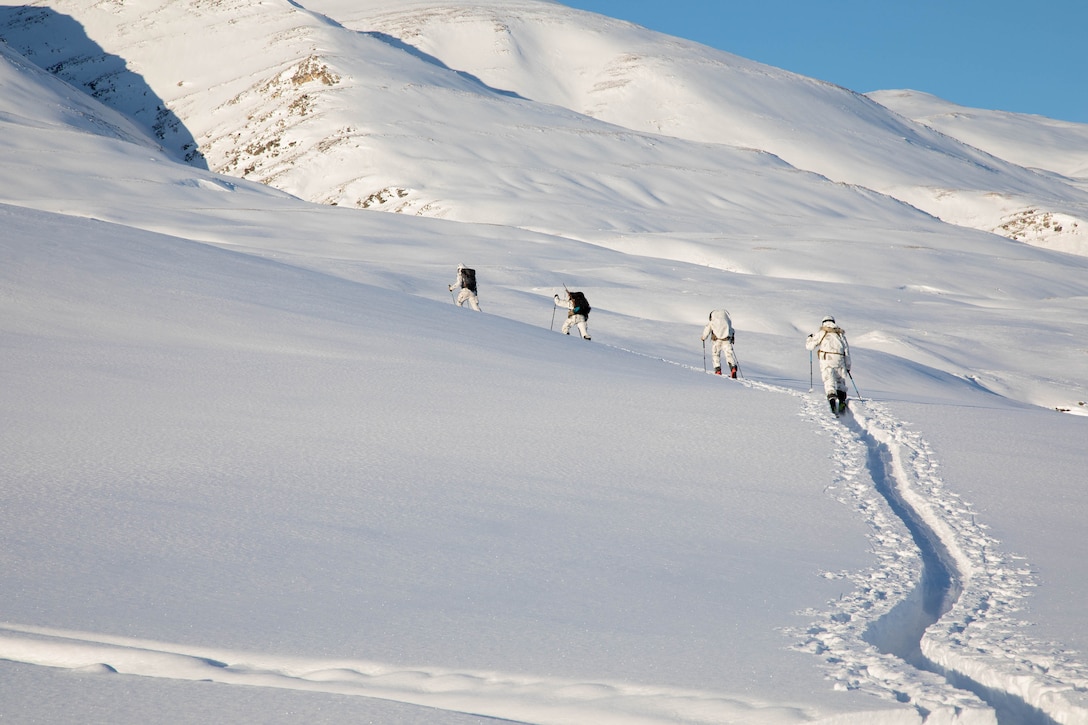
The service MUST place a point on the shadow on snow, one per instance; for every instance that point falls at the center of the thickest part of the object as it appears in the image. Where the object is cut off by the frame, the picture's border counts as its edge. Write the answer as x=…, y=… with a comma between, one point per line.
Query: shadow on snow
x=60, y=45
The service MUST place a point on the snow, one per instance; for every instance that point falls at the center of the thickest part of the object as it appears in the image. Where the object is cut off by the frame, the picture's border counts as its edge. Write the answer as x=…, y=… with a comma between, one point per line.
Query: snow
x=258, y=468
x=641, y=80
x=1034, y=141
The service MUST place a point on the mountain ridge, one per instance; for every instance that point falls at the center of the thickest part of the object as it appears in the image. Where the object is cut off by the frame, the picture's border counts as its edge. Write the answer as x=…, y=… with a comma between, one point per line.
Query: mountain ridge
x=330, y=111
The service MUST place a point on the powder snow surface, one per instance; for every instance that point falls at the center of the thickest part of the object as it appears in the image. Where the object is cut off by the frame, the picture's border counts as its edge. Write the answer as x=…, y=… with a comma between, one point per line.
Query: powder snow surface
x=257, y=467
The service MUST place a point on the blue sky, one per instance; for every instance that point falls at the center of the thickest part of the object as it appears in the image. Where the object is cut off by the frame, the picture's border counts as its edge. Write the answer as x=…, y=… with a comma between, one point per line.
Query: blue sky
x=1028, y=57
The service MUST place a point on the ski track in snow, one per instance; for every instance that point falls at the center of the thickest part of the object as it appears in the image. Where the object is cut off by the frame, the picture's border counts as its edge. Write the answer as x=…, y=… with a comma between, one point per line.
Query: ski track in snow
x=968, y=662
x=949, y=641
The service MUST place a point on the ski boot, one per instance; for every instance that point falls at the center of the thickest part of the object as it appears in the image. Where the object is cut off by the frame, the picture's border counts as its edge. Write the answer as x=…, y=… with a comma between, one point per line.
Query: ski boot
x=733, y=372
x=842, y=402
x=833, y=401
x=717, y=371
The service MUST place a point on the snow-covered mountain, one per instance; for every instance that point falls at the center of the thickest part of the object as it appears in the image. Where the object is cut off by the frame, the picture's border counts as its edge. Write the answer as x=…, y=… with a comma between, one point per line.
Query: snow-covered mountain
x=327, y=100
x=1031, y=141
x=248, y=440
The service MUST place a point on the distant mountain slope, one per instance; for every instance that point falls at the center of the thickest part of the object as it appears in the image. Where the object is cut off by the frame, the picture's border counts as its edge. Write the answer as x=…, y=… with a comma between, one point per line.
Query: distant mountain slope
x=280, y=95
x=397, y=105
x=67, y=152
x=1027, y=140
x=33, y=97
x=646, y=81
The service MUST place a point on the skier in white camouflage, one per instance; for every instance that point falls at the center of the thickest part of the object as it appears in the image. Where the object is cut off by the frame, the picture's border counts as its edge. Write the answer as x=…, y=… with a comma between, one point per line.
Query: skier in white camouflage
x=466, y=282
x=577, y=313
x=720, y=330
x=833, y=350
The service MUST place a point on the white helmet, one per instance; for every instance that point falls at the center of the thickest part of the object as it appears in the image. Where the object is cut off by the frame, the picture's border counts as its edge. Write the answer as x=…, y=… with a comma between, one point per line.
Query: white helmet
x=827, y=319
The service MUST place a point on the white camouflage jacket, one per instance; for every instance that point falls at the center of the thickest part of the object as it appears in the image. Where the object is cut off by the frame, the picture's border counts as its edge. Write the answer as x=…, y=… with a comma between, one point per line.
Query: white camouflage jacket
x=830, y=345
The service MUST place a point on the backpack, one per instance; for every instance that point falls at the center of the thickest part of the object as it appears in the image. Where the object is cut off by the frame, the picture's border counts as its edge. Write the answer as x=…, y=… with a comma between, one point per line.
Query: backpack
x=836, y=342
x=579, y=304
x=468, y=278
x=720, y=325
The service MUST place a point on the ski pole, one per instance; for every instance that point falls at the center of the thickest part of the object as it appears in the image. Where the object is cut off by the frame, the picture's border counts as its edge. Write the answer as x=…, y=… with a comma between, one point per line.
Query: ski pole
x=704, y=355
x=453, y=298
x=851, y=376
x=551, y=327
x=810, y=371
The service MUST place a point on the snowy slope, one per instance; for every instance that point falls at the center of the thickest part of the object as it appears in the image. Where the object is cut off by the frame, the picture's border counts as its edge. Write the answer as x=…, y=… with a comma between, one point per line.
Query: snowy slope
x=249, y=441
x=248, y=463
x=283, y=108
x=1031, y=141
x=634, y=194
x=644, y=81
x=273, y=93
x=1057, y=147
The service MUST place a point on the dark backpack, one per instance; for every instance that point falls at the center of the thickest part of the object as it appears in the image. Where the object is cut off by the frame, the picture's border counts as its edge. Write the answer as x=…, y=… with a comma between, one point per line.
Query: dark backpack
x=468, y=278
x=579, y=304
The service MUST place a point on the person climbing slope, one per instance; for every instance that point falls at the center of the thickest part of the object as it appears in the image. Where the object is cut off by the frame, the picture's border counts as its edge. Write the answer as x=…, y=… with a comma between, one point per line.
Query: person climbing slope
x=720, y=330
x=577, y=313
x=466, y=282
x=833, y=351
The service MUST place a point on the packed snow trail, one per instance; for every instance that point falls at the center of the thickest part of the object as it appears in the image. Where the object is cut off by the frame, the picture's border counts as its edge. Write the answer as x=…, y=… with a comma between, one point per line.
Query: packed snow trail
x=941, y=583
x=944, y=599
x=934, y=624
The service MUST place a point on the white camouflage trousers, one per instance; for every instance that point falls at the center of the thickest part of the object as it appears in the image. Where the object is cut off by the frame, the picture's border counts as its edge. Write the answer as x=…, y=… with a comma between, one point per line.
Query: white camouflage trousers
x=573, y=320
x=833, y=372
x=723, y=345
x=469, y=296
